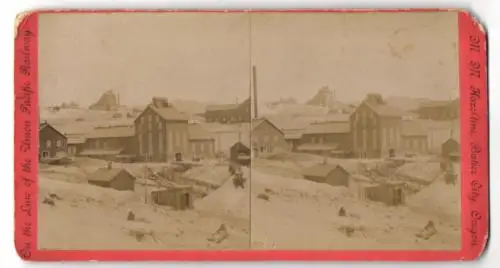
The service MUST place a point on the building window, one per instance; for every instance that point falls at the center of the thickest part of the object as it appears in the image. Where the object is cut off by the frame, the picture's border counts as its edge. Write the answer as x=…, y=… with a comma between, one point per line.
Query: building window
x=313, y=140
x=48, y=143
x=320, y=140
x=375, y=141
x=104, y=144
x=58, y=143
x=365, y=140
x=150, y=143
x=160, y=143
x=45, y=154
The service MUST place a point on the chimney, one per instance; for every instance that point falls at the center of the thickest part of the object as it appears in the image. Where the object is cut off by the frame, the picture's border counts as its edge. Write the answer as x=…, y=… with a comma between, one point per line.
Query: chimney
x=160, y=102
x=255, y=99
x=374, y=98
x=110, y=165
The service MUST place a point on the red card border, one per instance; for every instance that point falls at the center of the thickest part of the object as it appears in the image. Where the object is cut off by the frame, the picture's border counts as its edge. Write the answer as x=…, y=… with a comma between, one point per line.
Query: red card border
x=474, y=156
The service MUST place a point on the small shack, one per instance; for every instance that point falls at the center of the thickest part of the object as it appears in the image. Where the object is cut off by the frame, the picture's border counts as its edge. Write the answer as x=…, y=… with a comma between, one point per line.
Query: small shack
x=450, y=150
x=334, y=175
x=115, y=178
x=178, y=197
x=390, y=193
x=240, y=153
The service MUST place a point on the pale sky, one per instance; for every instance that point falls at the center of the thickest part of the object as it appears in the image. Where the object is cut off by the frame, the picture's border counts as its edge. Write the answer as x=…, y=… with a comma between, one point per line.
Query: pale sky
x=208, y=56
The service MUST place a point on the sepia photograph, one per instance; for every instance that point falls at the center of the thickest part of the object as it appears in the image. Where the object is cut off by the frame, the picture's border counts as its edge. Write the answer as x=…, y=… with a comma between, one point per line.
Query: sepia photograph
x=355, y=134
x=144, y=131
x=249, y=130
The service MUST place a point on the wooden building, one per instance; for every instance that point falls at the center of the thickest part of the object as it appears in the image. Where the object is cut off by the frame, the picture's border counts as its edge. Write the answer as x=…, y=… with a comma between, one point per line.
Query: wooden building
x=240, y=153
x=266, y=137
x=177, y=197
x=334, y=175
x=115, y=178
x=51, y=141
x=327, y=138
x=389, y=193
x=229, y=113
x=116, y=143
x=439, y=110
x=375, y=128
x=76, y=144
x=414, y=138
x=201, y=141
x=162, y=131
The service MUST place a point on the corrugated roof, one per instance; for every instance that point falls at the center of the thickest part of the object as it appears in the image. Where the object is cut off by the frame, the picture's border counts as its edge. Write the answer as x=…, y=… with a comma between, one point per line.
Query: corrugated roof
x=111, y=132
x=328, y=128
x=320, y=170
x=107, y=174
x=198, y=132
x=413, y=128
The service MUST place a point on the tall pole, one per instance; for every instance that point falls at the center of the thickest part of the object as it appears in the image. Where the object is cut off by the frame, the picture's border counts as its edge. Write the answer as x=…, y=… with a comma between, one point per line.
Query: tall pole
x=255, y=98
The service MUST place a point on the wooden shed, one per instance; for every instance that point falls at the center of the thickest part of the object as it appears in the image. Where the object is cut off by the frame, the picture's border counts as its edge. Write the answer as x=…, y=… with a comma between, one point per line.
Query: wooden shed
x=116, y=178
x=389, y=193
x=334, y=175
x=450, y=149
x=240, y=153
x=178, y=197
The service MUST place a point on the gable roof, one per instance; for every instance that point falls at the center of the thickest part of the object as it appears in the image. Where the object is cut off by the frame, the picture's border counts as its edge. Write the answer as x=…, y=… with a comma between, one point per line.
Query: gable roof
x=45, y=125
x=384, y=110
x=108, y=174
x=321, y=170
x=259, y=121
x=328, y=128
x=289, y=123
x=227, y=107
x=167, y=113
x=198, y=132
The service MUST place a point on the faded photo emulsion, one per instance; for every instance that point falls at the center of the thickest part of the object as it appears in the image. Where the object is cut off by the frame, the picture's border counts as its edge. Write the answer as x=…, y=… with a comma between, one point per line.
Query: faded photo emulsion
x=249, y=131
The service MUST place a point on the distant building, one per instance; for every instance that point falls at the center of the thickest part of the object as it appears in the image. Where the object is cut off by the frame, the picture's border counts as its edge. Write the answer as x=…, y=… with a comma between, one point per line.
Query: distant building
x=389, y=193
x=240, y=153
x=229, y=113
x=162, y=131
x=266, y=137
x=334, y=175
x=414, y=138
x=51, y=141
x=107, y=102
x=439, y=110
x=115, y=178
x=201, y=141
x=375, y=128
x=327, y=138
x=115, y=143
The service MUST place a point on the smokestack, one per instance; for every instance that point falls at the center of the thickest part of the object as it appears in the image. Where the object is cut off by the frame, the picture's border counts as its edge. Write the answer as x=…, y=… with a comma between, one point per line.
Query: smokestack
x=255, y=99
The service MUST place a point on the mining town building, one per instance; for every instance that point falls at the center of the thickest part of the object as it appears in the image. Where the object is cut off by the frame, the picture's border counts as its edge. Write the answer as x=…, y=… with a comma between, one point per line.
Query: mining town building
x=266, y=137
x=51, y=141
x=228, y=113
x=375, y=128
x=112, y=177
x=162, y=131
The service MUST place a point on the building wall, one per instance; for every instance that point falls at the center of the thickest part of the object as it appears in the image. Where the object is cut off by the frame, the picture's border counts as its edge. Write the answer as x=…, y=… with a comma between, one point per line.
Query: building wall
x=238, y=115
x=366, y=130
x=445, y=112
x=414, y=144
x=176, y=198
x=203, y=148
x=266, y=138
x=160, y=139
x=343, y=139
x=51, y=142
